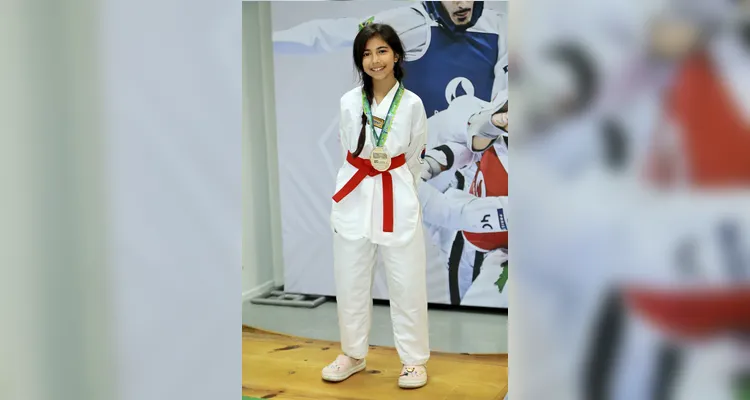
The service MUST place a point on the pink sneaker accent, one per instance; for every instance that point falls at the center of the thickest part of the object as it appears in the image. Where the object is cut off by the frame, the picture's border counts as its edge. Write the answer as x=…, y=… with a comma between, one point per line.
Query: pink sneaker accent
x=412, y=377
x=342, y=368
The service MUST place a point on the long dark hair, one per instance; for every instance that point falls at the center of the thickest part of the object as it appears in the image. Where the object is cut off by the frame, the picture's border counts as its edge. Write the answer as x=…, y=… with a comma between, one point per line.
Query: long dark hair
x=389, y=35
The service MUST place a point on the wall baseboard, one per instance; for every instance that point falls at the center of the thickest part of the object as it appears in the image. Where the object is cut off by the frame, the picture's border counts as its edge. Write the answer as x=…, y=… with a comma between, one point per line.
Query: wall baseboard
x=257, y=291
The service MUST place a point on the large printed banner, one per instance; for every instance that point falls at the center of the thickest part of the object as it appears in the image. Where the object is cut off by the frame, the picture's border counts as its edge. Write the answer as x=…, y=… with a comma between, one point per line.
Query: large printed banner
x=457, y=64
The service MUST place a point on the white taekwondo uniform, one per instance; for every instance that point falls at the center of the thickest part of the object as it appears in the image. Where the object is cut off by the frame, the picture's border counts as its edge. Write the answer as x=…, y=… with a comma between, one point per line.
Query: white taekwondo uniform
x=360, y=220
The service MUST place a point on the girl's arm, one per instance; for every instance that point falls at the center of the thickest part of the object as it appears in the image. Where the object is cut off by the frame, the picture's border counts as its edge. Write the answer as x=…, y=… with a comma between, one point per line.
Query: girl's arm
x=343, y=140
x=418, y=143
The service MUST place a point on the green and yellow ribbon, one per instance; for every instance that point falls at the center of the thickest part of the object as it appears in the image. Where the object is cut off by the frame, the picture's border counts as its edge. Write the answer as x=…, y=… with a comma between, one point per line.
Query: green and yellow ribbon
x=380, y=139
x=367, y=22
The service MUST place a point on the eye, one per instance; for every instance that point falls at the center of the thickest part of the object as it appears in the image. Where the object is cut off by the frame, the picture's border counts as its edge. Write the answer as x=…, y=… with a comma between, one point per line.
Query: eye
x=383, y=51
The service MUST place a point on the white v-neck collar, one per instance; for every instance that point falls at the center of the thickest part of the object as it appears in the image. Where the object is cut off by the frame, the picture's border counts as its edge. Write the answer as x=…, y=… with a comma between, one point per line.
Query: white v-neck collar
x=380, y=111
x=386, y=100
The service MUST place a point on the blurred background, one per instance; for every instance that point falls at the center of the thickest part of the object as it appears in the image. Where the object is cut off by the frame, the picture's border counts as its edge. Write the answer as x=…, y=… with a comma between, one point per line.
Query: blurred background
x=631, y=123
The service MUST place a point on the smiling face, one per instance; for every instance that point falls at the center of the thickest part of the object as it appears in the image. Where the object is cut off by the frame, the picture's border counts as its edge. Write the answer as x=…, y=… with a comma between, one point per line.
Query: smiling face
x=378, y=58
x=459, y=11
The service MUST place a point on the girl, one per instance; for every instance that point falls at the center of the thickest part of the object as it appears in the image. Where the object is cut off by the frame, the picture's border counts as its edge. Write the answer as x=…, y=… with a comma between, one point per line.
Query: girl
x=383, y=134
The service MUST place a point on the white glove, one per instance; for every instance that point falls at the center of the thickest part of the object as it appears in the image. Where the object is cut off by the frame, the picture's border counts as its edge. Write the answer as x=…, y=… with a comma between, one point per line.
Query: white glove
x=431, y=168
x=481, y=124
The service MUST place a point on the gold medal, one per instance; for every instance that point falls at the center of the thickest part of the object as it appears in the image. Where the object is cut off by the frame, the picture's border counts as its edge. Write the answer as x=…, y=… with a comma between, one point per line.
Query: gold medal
x=379, y=159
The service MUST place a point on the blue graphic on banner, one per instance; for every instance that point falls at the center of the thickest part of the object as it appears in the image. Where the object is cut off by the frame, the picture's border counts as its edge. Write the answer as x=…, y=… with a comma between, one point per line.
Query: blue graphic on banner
x=454, y=65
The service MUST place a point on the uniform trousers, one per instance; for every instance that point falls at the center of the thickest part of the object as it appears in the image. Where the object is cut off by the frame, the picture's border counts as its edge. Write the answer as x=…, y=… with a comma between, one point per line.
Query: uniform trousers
x=405, y=267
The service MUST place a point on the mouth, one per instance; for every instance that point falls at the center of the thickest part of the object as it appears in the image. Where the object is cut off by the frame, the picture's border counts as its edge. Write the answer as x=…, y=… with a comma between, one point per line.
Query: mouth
x=462, y=14
x=378, y=69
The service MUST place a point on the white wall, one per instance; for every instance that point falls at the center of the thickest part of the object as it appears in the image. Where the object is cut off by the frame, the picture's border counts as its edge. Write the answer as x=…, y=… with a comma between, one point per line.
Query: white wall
x=121, y=161
x=261, y=250
x=122, y=214
x=174, y=175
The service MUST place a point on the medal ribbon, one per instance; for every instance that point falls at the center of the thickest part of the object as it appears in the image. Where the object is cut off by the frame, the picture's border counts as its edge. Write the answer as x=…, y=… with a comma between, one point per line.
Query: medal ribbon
x=380, y=140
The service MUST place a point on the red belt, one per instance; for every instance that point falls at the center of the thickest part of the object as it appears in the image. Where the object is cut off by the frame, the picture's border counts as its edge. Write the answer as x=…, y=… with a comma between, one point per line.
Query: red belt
x=365, y=169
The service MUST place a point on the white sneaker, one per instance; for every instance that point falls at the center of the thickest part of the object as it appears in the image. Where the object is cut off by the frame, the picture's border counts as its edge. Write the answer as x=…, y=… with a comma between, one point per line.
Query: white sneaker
x=412, y=377
x=342, y=368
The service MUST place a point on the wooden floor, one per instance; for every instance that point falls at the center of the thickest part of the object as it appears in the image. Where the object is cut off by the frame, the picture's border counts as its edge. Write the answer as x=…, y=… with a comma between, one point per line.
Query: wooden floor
x=288, y=368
